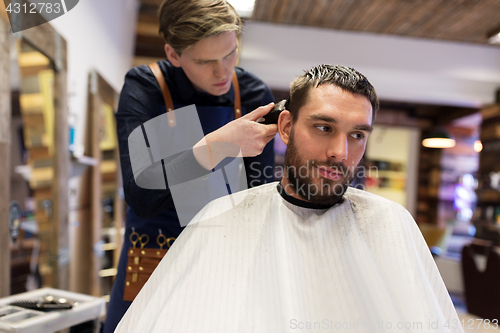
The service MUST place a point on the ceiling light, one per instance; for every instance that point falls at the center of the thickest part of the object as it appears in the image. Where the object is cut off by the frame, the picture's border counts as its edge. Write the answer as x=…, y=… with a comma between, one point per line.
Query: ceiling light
x=243, y=7
x=478, y=146
x=494, y=36
x=495, y=39
x=438, y=138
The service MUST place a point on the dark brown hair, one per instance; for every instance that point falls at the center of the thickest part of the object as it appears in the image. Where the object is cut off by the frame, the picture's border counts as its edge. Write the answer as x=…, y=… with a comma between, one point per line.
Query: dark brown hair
x=344, y=77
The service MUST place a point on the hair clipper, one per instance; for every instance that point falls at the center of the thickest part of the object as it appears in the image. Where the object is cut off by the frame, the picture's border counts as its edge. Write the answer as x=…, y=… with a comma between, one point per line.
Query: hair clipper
x=273, y=115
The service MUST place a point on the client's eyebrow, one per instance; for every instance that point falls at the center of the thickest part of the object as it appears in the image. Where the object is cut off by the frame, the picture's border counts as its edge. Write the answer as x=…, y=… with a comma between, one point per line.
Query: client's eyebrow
x=322, y=117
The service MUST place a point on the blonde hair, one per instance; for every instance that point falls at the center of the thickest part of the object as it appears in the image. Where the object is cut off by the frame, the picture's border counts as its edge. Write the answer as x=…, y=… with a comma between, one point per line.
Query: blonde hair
x=185, y=22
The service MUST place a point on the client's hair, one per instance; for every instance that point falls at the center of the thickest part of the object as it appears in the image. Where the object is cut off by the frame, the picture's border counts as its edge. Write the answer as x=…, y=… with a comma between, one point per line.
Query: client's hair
x=346, y=78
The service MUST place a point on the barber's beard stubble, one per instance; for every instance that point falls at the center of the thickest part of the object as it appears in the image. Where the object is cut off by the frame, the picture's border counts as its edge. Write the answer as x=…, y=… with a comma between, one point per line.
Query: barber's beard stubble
x=302, y=175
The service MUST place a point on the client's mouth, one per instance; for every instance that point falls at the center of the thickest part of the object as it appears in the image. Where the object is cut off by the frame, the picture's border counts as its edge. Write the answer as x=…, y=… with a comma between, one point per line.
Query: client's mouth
x=330, y=173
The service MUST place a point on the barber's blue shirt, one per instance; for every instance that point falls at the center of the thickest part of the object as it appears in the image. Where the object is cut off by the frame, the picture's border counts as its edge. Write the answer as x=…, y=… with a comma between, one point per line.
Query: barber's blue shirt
x=141, y=100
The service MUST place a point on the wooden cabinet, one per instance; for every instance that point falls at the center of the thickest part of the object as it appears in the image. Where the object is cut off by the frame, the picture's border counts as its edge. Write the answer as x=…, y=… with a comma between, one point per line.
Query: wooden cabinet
x=487, y=214
x=429, y=174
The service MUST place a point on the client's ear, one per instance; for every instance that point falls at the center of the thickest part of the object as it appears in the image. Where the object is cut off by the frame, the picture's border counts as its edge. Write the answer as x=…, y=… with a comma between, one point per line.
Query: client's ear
x=285, y=126
x=172, y=55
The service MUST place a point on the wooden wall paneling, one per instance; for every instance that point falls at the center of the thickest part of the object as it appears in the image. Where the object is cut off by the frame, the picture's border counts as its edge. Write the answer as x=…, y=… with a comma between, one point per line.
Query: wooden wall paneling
x=466, y=21
x=337, y=16
x=458, y=20
x=119, y=212
x=119, y=202
x=45, y=39
x=277, y=6
x=326, y=19
x=109, y=96
x=280, y=13
x=5, y=110
x=438, y=24
x=399, y=24
x=42, y=38
x=368, y=15
x=487, y=12
x=100, y=93
x=380, y=23
x=258, y=11
x=486, y=214
x=441, y=28
x=106, y=92
x=80, y=265
x=61, y=165
x=148, y=28
x=294, y=12
x=288, y=13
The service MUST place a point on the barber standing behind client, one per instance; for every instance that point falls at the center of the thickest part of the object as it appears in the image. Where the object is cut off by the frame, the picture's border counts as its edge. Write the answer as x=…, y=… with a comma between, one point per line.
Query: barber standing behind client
x=201, y=49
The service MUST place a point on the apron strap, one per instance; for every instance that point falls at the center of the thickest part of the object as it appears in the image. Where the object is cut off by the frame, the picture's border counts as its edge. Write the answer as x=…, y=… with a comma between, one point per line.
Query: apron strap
x=237, y=100
x=168, y=99
x=163, y=85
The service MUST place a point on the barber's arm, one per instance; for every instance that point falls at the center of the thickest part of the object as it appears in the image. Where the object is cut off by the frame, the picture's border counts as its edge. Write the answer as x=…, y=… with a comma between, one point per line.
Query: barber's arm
x=244, y=134
x=259, y=168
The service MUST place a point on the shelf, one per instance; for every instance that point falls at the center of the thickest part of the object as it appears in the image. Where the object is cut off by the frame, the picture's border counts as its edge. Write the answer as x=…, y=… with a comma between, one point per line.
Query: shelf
x=32, y=104
x=108, y=272
x=391, y=173
x=109, y=166
x=109, y=247
x=85, y=160
x=79, y=164
x=33, y=59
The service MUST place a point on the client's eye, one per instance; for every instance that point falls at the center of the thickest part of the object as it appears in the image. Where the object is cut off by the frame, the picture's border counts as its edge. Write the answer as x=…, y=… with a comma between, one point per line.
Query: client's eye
x=324, y=128
x=358, y=135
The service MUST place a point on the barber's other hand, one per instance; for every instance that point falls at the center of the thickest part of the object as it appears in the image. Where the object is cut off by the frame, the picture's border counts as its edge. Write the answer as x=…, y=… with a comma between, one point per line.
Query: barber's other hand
x=250, y=136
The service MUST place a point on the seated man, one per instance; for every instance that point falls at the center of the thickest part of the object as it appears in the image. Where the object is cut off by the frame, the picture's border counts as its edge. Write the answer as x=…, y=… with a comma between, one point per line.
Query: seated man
x=309, y=253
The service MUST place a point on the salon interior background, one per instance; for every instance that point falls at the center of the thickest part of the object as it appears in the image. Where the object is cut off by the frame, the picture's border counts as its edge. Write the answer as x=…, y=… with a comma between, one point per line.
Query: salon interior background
x=415, y=52
x=431, y=61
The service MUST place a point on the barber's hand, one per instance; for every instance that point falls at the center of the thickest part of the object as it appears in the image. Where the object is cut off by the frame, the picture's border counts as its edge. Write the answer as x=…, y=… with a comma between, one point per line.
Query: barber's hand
x=244, y=133
x=250, y=136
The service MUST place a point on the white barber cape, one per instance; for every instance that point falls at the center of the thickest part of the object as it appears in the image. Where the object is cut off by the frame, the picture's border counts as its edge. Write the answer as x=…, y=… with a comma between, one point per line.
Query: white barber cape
x=268, y=265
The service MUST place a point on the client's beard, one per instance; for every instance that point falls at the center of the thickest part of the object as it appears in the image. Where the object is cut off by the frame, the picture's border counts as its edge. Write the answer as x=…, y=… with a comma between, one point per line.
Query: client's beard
x=329, y=191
